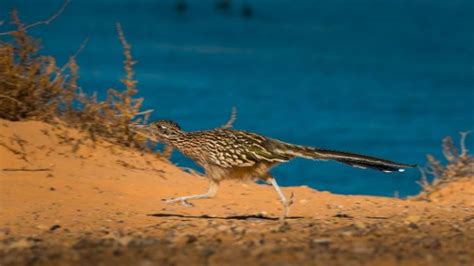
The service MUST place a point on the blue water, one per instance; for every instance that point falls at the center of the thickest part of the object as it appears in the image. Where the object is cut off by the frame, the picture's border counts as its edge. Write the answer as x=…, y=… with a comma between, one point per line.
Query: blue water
x=385, y=78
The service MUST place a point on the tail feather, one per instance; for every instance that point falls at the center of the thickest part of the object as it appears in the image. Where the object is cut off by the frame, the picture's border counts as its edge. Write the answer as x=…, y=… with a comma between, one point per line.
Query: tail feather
x=352, y=159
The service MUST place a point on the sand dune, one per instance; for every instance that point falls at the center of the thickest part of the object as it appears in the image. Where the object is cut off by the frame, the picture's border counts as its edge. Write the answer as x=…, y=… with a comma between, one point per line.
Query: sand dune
x=67, y=200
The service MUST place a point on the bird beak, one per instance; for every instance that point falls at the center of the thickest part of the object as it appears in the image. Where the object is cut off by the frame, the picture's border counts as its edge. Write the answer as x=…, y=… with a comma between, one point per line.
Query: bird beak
x=139, y=126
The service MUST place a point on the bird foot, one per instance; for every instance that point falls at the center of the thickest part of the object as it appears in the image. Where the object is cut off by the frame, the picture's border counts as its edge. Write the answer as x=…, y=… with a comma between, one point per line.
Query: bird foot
x=286, y=207
x=183, y=201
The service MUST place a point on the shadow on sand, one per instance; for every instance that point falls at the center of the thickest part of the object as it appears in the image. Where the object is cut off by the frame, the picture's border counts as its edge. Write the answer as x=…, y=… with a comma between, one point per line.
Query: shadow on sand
x=231, y=217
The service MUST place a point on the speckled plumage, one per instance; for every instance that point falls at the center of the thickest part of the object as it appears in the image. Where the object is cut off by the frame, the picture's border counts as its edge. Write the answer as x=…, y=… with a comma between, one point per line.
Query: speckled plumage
x=229, y=153
x=240, y=150
x=230, y=148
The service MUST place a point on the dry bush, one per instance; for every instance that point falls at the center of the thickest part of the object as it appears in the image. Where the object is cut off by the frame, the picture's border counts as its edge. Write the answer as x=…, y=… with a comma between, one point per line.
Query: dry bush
x=32, y=86
x=117, y=116
x=459, y=165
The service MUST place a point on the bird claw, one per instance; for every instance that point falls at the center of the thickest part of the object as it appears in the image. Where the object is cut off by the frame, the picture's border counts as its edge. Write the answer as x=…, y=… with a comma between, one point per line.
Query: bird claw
x=286, y=207
x=290, y=201
x=183, y=202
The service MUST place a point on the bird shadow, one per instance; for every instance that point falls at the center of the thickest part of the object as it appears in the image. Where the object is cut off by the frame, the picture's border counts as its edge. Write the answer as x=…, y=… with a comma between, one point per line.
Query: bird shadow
x=230, y=217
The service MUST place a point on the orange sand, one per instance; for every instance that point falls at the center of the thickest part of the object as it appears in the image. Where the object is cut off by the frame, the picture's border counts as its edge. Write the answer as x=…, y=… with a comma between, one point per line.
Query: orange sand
x=62, y=189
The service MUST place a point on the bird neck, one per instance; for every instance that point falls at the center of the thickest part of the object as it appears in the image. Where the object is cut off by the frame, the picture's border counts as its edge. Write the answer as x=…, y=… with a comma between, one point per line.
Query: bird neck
x=176, y=139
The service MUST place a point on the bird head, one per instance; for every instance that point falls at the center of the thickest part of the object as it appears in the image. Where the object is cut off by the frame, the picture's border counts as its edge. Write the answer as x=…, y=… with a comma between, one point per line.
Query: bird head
x=166, y=130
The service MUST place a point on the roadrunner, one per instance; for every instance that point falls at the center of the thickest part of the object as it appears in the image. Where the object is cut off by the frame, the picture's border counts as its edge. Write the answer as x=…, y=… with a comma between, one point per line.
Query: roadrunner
x=240, y=155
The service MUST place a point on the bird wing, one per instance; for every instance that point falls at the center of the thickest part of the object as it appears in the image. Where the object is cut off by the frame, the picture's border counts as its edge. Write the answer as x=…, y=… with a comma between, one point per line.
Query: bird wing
x=235, y=148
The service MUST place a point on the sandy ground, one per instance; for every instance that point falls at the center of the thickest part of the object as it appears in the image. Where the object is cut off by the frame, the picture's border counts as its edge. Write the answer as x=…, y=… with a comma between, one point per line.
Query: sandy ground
x=67, y=201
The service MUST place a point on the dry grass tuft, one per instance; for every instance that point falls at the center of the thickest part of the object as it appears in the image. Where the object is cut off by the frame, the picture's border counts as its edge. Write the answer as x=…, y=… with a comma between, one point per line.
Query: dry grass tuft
x=33, y=86
x=459, y=165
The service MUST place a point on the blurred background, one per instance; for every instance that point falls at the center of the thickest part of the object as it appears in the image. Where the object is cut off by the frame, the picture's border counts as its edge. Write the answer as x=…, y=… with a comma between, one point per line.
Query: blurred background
x=385, y=78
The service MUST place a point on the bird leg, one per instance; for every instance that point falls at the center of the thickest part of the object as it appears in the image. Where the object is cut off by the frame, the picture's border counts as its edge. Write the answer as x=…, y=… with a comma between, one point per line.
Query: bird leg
x=286, y=203
x=211, y=192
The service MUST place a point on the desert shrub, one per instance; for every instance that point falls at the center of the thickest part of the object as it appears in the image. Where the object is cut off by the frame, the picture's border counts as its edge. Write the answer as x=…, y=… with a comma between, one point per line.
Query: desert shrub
x=33, y=86
x=459, y=165
x=30, y=84
x=117, y=116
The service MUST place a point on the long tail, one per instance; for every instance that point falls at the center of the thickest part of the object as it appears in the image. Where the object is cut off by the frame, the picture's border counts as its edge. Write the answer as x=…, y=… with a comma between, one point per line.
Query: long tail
x=352, y=159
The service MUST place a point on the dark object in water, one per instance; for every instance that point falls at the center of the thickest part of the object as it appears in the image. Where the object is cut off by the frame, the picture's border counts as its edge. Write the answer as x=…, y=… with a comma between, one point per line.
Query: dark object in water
x=247, y=11
x=223, y=4
x=181, y=6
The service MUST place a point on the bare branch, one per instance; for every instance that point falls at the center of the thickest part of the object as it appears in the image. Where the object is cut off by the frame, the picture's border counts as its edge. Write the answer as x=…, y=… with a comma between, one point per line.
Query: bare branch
x=449, y=150
x=144, y=112
x=11, y=99
x=435, y=168
x=233, y=117
x=140, y=113
x=423, y=182
x=128, y=81
x=74, y=56
x=464, y=150
x=42, y=22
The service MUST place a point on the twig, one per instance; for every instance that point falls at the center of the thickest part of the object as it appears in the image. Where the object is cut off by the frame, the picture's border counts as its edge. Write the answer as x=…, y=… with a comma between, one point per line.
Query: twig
x=464, y=150
x=435, y=168
x=128, y=81
x=43, y=22
x=144, y=112
x=83, y=45
x=233, y=117
x=74, y=56
x=449, y=150
x=423, y=182
x=26, y=169
x=140, y=113
x=11, y=99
